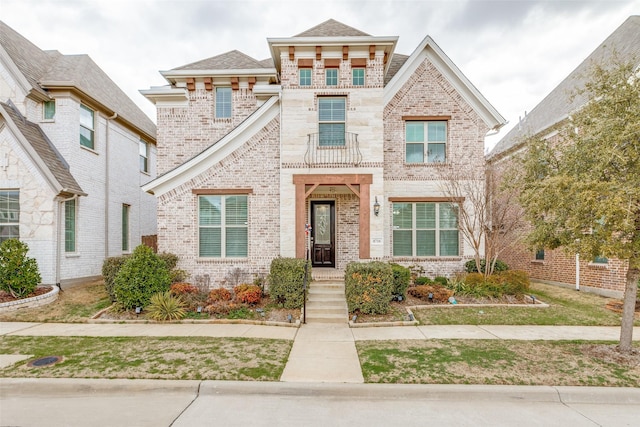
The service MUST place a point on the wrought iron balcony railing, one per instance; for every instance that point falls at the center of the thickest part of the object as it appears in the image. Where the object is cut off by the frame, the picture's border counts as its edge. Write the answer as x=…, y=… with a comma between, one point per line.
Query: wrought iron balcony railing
x=333, y=149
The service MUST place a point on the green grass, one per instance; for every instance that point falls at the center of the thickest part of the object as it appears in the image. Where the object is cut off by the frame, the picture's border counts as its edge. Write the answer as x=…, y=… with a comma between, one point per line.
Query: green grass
x=566, y=307
x=493, y=362
x=190, y=358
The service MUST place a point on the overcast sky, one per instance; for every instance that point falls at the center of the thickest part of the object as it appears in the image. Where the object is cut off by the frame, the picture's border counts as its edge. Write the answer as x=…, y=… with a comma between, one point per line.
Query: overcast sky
x=514, y=51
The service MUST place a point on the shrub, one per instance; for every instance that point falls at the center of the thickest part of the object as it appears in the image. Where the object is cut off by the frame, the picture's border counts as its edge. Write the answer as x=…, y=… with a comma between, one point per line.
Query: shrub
x=221, y=308
x=441, y=280
x=514, y=282
x=171, y=260
x=19, y=274
x=401, y=279
x=440, y=293
x=110, y=268
x=369, y=287
x=286, y=278
x=219, y=294
x=422, y=281
x=248, y=294
x=164, y=306
x=142, y=275
x=470, y=266
x=510, y=282
x=182, y=288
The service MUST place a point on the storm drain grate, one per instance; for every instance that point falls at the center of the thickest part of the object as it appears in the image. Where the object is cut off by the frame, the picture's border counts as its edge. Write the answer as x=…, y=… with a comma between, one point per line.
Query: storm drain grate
x=45, y=361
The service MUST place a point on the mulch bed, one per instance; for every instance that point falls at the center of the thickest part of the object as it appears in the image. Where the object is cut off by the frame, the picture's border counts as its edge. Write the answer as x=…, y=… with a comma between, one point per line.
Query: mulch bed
x=7, y=297
x=616, y=306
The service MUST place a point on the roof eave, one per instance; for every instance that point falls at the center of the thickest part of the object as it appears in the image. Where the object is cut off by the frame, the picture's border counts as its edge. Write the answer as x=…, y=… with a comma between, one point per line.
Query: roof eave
x=174, y=74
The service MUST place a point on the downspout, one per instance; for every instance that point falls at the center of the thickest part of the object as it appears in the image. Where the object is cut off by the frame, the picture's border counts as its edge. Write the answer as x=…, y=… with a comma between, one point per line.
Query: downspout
x=106, y=187
x=59, y=239
x=577, y=272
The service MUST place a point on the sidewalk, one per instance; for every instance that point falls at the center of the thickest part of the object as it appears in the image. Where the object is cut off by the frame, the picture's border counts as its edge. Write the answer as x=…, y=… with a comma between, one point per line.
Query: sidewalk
x=320, y=352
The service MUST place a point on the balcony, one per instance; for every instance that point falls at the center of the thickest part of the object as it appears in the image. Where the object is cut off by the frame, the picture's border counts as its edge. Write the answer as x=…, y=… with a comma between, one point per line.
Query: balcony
x=333, y=149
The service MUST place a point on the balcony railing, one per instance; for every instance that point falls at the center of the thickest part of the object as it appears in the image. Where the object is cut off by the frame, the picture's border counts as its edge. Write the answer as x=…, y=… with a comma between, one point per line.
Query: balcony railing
x=333, y=150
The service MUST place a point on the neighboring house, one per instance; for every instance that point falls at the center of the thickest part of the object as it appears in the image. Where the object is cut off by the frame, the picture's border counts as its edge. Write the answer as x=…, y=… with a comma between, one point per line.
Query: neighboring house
x=335, y=130
x=602, y=275
x=74, y=151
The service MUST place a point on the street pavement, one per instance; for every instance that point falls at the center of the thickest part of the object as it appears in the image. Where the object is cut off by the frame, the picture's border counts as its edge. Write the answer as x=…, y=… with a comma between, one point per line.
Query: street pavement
x=321, y=384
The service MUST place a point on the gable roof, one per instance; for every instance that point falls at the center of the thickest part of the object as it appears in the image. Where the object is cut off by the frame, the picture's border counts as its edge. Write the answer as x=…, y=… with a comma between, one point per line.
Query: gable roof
x=429, y=50
x=397, y=61
x=43, y=153
x=557, y=105
x=232, y=60
x=332, y=28
x=46, y=70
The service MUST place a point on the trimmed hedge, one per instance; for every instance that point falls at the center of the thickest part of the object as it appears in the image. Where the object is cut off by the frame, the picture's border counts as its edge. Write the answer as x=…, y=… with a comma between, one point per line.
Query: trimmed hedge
x=110, y=268
x=286, y=278
x=19, y=274
x=369, y=287
x=439, y=293
x=470, y=266
x=142, y=275
x=401, y=279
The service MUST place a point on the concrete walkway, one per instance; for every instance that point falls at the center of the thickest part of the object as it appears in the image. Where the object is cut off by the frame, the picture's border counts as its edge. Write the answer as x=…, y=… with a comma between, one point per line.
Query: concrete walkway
x=320, y=352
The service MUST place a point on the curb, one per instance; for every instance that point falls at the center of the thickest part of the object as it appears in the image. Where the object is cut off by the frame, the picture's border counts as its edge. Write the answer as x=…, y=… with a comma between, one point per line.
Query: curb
x=83, y=386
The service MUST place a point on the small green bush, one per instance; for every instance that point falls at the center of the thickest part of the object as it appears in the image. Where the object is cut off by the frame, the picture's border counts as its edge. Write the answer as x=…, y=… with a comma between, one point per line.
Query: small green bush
x=19, y=274
x=286, y=280
x=369, y=287
x=510, y=282
x=142, y=275
x=171, y=260
x=110, y=268
x=401, y=279
x=441, y=280
x=470, y=266
x=422, y=281
x=165, y=306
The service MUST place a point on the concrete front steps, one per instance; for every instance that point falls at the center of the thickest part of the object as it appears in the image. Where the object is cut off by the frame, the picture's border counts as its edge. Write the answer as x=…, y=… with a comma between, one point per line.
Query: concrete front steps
x=326, y=302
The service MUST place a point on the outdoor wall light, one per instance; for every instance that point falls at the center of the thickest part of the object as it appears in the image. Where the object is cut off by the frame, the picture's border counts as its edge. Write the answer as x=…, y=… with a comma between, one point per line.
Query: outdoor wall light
x=376, y=207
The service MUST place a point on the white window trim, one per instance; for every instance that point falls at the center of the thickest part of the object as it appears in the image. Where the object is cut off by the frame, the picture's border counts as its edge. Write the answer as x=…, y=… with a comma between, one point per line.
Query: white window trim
x=44, y=111
x=18, y=222
x=223, y=226
x=426, y=142
x=437, y=230
x=93, y=129
x=300, y=70
x=75, y=228
x=230, y=102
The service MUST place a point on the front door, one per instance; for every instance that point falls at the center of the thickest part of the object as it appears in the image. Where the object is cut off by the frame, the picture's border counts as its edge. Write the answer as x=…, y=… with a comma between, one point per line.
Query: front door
x=323, y=223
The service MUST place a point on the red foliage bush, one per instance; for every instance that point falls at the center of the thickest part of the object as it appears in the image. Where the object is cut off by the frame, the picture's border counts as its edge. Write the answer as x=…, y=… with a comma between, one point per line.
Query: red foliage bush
x=183, y=288
x=248, y=294
x=440, y=293
x=219, y=294
x=221, y=308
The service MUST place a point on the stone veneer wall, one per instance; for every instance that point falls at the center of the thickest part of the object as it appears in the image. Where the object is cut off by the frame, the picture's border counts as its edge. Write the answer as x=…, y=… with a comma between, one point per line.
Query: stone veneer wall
x=255, y=165
x=184, y=132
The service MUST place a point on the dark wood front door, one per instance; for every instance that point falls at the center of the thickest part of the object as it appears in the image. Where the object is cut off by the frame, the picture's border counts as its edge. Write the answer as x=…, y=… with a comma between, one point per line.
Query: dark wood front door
x=323, y=223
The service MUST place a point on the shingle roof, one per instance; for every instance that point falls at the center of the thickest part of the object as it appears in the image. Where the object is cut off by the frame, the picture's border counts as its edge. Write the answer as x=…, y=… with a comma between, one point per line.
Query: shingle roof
x=43, y=148
x=557, y=105
x=232, y=60
x=332, y=28
x=40, y=67
x=397, y=61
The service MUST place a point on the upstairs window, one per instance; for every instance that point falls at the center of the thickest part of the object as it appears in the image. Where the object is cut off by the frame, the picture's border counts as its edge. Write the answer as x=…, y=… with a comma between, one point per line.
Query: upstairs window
x=87, y=126
x=426, y=142
x=305, y=76
x=223, y=102
x=425, y=229
x=357, y=75
x=331, y=76
x=49, y=110
x=9, y=215
x=331, y=121
x=144, y=156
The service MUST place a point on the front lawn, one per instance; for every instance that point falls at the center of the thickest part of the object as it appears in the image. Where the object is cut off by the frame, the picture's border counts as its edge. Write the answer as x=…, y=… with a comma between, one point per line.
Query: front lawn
x=566, y=307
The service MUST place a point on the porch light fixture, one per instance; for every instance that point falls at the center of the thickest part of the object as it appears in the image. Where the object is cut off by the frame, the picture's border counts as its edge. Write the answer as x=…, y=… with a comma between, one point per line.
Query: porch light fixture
x=376, y=207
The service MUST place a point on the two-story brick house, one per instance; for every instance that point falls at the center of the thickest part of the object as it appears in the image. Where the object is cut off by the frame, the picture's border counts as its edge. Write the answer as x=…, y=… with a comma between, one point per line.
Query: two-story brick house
x=601, y=275
x=336, y=131
x=74, y=151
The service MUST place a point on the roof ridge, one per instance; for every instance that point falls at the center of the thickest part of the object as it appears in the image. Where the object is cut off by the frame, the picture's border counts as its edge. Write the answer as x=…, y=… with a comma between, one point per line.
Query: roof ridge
x=313, y=31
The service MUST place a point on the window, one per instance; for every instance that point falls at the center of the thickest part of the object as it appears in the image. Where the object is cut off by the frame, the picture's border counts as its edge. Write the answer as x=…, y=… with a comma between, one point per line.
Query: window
x=601, y=260
x=305, y=76
x=125, y=228
x=223, y=102
x=331, y=75
x=331, y=121
x=357, y=75
x=540, y=255
x=144, y=156
x=86, y=127
x=70, y=225
x=426, y=139
x=9, y=215
x=222, y=226
x=425, y=229
x=49, y=112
